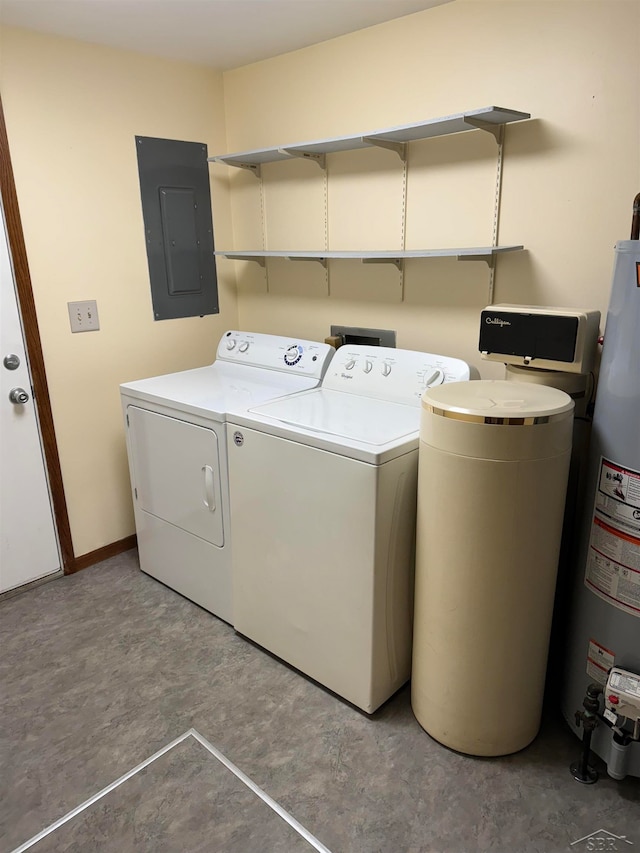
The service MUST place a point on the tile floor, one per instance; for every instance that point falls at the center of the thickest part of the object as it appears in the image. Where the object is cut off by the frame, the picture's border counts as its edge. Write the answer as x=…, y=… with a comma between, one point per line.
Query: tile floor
x=101, y=669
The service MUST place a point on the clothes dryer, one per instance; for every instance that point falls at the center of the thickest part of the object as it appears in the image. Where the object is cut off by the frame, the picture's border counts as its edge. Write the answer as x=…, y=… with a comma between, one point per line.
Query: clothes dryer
x=324, y=484
x=177, y=450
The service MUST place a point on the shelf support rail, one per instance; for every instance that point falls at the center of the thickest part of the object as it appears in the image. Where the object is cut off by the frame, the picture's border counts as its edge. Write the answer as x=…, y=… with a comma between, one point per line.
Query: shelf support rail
x=497, y=131
x=263, y=228
x=325, y=193
x=496, y=211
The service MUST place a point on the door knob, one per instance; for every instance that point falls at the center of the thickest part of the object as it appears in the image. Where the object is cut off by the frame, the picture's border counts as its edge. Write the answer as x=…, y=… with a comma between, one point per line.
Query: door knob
x=18, y=396
x=11, y=361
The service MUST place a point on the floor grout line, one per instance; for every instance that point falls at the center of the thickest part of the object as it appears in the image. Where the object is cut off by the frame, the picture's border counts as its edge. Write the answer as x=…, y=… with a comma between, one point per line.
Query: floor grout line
x=283, y=813
x=246, y=780
x=94, y=799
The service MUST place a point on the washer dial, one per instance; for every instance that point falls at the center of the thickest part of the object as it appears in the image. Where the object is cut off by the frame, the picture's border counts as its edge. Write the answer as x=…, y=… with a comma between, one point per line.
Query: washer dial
x=433, y=376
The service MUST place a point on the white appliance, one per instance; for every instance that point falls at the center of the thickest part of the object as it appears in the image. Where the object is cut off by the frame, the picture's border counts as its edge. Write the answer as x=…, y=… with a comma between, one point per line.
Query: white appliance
x=325, y=483
x=176, y=444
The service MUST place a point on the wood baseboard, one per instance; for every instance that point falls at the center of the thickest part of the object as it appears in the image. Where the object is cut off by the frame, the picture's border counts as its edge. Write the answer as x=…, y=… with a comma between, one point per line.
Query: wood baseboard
x=100, y=554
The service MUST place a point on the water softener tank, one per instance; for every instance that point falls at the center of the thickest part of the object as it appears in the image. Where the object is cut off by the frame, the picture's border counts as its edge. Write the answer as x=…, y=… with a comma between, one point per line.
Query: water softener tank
x=493, y=465
x=604, y=617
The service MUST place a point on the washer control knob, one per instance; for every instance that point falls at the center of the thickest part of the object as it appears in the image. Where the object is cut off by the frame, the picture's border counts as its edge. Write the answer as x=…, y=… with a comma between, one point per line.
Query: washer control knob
x=434, y=376
x=244, y=346
x=367, y=366
x=231, y=344
x=349, y=365
x=386, y=368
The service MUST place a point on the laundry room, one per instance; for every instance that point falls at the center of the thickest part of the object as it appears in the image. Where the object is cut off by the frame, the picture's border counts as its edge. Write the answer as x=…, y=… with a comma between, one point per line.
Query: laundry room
x=398, y=176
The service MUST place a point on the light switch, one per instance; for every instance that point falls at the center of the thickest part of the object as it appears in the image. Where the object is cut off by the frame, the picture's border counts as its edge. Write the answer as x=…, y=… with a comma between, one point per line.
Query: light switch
x=84, y=316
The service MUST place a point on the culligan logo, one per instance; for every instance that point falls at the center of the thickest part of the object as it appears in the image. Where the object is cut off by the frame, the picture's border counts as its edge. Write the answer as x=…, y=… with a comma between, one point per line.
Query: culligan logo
x=497, y=321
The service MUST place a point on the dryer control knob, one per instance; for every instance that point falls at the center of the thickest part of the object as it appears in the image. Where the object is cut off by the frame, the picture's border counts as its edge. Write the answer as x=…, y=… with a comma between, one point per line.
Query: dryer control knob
x=367, y=366
x=231, y=344
x=386, y=368
x=244, y=346
x=349, y=365
x=293, y=355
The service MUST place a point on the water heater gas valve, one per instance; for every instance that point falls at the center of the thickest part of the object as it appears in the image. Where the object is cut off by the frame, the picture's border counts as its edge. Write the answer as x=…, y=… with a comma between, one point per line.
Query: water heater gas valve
x=622, y=694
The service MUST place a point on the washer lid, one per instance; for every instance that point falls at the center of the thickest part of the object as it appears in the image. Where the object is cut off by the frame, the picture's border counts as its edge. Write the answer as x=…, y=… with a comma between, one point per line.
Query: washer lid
x=339, y=415
x=497, y=400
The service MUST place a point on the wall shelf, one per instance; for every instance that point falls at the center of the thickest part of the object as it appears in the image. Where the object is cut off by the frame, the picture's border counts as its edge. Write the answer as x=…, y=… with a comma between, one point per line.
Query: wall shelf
x=477, y=253
x=485, y=118
x=490, y=119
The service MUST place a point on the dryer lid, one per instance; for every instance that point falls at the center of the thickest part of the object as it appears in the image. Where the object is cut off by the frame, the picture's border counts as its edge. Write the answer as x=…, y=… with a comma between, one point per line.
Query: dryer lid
x=218, y=389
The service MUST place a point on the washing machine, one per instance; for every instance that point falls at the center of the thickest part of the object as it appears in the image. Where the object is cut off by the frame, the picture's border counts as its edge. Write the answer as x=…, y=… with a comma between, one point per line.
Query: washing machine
x=177, y=450
x=324, y=483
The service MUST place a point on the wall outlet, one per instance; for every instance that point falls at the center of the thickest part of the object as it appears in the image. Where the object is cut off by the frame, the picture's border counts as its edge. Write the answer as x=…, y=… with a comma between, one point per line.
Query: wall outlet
x=84, y=316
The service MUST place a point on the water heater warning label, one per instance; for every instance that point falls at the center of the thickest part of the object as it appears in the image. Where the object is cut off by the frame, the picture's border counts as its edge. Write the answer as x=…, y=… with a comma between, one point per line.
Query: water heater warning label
x=599, y=662
x=613, y=561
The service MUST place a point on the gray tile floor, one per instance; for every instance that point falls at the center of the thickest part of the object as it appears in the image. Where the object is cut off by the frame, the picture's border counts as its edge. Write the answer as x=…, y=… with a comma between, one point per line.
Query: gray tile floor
x=166, y=804
x=101, y=669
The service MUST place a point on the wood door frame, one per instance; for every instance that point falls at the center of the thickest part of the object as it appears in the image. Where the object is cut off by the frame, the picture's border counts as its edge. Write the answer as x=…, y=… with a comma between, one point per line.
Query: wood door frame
x=26, y=305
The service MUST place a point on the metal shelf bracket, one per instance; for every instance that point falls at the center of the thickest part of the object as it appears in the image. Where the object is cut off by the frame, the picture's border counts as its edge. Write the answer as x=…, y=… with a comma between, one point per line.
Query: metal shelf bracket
x=320, y=159
x=397, y=262
x=489, y=259
x=400, y=148
x=492, y=128
x=261, y=260
x=254, y=168
x=321, y=261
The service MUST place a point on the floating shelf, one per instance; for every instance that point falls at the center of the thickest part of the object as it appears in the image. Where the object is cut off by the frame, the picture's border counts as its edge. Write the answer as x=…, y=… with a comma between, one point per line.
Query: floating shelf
x=477, y=253
x=486, y=118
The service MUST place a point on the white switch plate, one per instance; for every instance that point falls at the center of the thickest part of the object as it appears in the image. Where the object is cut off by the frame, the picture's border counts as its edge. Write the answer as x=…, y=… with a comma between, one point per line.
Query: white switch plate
x=84, y=316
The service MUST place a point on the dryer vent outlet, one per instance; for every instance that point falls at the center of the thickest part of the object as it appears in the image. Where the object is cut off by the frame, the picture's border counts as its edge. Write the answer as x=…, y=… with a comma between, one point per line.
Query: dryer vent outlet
x=358, y=335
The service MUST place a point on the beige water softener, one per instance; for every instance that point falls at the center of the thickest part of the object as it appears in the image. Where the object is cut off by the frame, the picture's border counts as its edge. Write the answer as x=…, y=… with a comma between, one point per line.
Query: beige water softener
x=493, y=466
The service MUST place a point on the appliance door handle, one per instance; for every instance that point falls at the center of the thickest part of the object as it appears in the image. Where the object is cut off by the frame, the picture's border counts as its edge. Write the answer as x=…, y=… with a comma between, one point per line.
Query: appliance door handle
x=209, y=498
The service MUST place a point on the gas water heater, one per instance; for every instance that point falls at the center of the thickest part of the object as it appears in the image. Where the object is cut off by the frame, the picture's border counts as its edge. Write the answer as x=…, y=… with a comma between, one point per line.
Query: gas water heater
x=601, y=685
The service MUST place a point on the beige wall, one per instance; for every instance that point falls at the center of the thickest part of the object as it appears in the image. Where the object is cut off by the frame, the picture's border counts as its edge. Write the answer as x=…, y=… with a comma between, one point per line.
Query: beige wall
x=72, y=111
x=570, y=174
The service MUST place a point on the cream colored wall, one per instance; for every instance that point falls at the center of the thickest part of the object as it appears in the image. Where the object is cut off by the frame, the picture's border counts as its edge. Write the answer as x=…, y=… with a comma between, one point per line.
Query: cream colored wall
x=72, y=112
x=570, y=174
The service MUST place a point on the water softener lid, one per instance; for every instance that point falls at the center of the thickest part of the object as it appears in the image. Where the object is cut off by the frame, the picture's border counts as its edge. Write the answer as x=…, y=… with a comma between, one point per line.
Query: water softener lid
x=497, y=401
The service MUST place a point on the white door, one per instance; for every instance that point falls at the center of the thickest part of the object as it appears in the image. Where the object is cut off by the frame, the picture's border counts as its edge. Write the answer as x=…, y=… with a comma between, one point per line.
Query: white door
x=28, y=544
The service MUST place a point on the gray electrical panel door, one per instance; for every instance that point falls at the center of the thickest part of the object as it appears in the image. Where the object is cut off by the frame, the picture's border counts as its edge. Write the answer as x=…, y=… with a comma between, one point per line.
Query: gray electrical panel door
x=176, y=208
